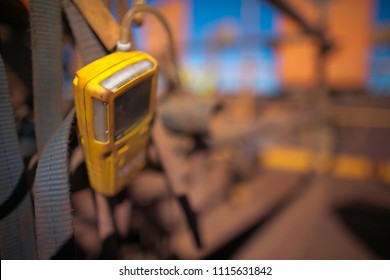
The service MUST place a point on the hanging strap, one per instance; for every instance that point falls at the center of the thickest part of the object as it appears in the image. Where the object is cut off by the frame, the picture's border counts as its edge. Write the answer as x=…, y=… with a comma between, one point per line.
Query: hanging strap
x=17, y=238
x=101, y=21
x=52, y=198
x=54, y=225
x=46, y=43
x=86, y=41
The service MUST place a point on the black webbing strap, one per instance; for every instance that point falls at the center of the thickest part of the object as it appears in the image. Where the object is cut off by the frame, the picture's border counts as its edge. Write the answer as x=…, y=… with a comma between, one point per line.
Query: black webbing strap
x=53, y=214
x=46, y=43
x=89, y=46
x=51, y=194
x=17, y=238
x=54, y=226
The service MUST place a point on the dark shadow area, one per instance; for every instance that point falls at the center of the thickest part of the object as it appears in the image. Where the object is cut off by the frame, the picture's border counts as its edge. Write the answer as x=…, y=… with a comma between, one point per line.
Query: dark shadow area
x=370, y=224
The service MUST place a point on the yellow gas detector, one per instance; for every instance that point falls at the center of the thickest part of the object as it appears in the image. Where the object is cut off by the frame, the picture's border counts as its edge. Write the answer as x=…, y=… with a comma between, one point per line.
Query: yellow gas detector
x=115, y=101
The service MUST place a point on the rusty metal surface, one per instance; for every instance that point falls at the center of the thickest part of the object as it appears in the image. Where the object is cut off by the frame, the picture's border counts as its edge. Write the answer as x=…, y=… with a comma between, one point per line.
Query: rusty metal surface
x=247, y=203
x=288, y=10
x=188, y=114
x=210, y=182
x=231, y=195
x=148, y=187
x=315, y=234
x=174, y=166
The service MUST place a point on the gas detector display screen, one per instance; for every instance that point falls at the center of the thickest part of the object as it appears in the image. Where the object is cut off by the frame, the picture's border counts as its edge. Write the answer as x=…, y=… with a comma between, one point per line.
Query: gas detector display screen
x=131, y=107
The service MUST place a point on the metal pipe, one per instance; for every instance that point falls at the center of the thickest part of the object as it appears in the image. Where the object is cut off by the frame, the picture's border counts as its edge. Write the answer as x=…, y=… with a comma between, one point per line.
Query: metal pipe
x=126, y=35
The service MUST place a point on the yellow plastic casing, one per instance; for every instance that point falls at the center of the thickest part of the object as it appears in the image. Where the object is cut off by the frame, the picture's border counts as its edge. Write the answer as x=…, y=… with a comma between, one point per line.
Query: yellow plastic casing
x=111, y=164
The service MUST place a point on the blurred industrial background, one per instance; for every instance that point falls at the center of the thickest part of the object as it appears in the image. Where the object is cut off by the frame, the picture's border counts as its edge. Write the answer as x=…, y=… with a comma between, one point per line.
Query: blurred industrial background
x=249, y=44
x=281, y=142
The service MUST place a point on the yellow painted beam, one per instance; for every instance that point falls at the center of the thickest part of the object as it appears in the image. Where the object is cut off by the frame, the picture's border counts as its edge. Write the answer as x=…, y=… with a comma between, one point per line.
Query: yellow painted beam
x=342, y=165
x=353, y=167
x=286, y=158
